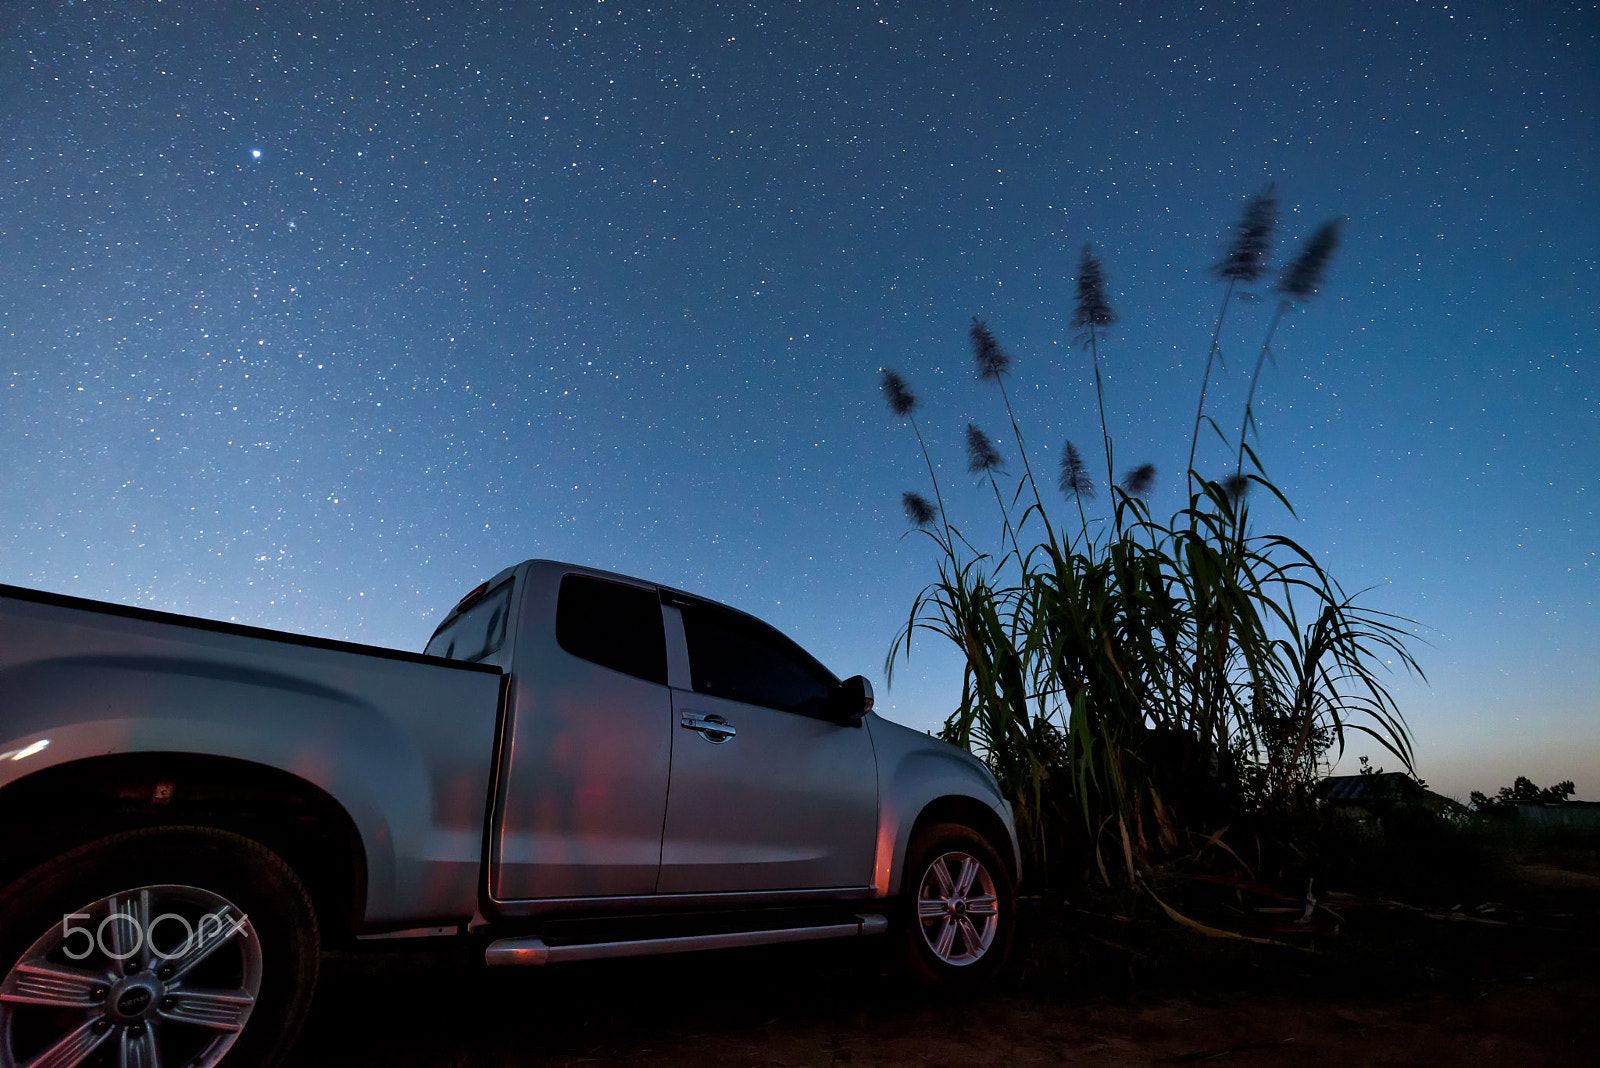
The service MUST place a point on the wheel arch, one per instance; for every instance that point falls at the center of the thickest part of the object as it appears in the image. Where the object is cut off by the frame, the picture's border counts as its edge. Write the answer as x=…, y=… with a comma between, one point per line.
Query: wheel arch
x=67, y=805
x=970, y=812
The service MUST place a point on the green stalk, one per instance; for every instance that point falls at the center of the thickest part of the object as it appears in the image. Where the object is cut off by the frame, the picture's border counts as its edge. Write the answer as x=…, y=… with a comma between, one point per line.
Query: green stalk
x=1205, y=379
x=1100, y=396
x=1249, y=417
x=944, y=519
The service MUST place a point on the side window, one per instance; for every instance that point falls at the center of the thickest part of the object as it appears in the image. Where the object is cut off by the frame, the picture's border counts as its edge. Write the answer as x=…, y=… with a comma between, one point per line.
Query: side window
x=733, y=656
x=613, y=625
x=479, y=631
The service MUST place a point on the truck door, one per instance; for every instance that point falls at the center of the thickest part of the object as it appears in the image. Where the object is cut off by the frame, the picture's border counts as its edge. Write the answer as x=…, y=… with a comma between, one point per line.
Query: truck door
x=767, y=792
x=584, y=777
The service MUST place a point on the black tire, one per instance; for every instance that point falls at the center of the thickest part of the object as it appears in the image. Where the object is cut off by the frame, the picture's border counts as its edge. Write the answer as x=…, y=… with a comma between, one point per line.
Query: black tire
x=225, y=975
x=967, y=941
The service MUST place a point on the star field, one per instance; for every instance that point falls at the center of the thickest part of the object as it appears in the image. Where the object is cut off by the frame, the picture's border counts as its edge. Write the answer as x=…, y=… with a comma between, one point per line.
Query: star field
x=314, y=315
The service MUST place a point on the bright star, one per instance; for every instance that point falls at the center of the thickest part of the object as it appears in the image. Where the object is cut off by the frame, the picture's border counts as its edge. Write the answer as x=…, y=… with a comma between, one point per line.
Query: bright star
x=255, y=153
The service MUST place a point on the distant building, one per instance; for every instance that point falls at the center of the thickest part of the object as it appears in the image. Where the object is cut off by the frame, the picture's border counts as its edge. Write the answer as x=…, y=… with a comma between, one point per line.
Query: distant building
x=1579, y=814
x=1365, y=798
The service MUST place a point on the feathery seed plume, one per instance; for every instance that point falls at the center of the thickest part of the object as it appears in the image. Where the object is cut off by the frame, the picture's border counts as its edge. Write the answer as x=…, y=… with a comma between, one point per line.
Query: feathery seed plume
x=918, y=510
x=1305, y=275
x=993, y=361
x=902, y=402
x=1139, y=481
x=1236, y=486
x=1093, y=307
x=982, y=456
x=1075, y=480
x=1246, y=258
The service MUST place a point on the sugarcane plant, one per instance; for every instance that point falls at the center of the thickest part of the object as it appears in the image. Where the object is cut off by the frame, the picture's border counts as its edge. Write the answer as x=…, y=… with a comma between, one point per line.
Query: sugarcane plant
x=1122, y=672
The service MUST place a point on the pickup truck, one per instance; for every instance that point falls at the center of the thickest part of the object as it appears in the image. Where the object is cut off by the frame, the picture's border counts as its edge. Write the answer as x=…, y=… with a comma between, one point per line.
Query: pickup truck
x=579, y=765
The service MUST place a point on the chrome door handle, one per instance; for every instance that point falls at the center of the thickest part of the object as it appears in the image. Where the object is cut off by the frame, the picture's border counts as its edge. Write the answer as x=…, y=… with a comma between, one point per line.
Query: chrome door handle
x=713, y=728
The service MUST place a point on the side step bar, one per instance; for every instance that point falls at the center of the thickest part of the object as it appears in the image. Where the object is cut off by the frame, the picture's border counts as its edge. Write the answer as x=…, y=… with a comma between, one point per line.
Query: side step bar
x=532, y=950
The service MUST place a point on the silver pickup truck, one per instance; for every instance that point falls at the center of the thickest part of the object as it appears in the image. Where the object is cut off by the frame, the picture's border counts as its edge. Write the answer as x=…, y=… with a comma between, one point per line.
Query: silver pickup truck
x=580, y=765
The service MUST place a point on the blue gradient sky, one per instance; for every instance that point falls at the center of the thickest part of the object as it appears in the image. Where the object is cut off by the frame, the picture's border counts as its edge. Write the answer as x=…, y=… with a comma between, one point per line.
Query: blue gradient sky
x=314, y=316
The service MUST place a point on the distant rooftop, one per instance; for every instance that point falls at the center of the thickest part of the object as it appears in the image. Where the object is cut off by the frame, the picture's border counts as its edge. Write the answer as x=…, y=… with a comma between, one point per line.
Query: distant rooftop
x=1387, y=784
x=1382, y=786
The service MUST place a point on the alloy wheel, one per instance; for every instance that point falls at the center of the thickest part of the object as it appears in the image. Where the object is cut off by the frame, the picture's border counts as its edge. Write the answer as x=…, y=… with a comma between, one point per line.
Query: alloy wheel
x=155, y=975
x=958, y=910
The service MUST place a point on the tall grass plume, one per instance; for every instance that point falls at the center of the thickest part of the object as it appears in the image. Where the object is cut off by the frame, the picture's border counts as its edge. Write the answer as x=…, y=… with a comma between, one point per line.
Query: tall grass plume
x=1099, y=675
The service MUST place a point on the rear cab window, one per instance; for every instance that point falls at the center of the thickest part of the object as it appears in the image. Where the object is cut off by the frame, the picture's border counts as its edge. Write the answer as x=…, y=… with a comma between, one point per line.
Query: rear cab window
x=477, y=632
x=614, y=625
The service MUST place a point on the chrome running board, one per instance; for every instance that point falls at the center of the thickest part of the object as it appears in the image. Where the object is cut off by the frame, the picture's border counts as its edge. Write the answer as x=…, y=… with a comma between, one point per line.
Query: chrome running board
x=532, y=950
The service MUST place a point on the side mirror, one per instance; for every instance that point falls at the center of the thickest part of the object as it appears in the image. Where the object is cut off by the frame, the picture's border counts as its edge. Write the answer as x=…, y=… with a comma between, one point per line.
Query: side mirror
x=855, y=699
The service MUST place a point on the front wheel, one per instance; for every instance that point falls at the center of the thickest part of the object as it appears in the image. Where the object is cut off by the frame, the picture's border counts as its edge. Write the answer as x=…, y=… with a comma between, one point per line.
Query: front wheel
x=165, y=946
x=958, y=911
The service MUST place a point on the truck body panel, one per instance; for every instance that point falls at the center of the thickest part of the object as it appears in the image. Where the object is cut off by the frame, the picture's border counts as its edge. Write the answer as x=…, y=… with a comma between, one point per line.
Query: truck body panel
x=401, y=743
x=916, y=772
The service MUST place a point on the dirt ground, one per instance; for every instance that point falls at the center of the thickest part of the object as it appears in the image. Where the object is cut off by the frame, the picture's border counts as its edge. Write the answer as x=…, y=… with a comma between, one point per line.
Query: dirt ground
x=1408, y=989
x=671, y=1020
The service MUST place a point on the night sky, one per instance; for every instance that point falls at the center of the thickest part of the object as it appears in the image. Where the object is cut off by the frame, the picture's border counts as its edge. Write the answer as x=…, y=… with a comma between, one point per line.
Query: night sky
x=313, y=316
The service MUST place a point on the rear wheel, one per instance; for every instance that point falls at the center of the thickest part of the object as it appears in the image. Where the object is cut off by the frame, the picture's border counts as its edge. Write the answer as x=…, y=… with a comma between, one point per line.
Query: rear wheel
x=165, y=946
x=958, y=909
